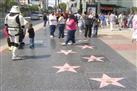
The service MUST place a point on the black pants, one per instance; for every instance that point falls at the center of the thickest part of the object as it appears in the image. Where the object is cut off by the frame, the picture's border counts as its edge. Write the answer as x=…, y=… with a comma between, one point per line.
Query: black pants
x=88, y=31
x=9, y=42
x=21, y=37
x=70, y=36
x=61, y=30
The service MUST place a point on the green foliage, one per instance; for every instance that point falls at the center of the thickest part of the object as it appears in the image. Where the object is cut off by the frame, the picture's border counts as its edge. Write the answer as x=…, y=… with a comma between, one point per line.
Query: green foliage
x=63, y=6
x=50, y=9
x=26, y=10
x=8, y=4
x=34, y=8
x=134, y=9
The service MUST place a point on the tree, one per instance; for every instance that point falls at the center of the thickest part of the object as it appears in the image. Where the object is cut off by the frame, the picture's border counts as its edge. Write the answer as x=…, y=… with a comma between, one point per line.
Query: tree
x=8, y=4
x=50, y=9
x=134, y=9
x=63, y=6
x=34, y=8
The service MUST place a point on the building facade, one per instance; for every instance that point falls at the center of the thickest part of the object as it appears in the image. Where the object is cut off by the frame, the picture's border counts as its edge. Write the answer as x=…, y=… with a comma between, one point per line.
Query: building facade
x=123, y=3
x=105, y=6
x=24, y=2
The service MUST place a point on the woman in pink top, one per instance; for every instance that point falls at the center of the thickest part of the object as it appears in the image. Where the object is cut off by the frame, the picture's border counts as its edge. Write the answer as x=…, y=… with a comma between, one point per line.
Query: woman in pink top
x=71, y=26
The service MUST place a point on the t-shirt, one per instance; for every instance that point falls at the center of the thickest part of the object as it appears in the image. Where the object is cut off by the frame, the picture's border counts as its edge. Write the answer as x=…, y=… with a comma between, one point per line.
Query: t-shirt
x=52, y=20
x=31, y=33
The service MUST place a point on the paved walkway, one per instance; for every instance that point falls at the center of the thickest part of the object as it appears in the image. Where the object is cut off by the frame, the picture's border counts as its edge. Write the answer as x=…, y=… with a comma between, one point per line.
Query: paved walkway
x=121, y=42
x=90, y=65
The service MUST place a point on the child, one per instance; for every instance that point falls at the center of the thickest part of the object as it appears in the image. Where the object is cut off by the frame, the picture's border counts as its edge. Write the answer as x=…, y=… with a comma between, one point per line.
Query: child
x=31, y=36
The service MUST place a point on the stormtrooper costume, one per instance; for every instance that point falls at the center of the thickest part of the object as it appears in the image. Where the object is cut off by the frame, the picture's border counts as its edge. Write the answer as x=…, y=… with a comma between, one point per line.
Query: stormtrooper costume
x=14, y=28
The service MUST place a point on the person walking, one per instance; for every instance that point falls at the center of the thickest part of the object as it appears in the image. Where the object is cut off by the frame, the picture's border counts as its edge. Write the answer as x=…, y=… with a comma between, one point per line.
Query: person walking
x=52, y=23
x=80, y=23
x=112, y=18
x=88, y=25
x=61, y=22
x=120, y=20
x=96, y=22
x=45, y=19
x=134, y=35
x=14, y=29
x=71, y=26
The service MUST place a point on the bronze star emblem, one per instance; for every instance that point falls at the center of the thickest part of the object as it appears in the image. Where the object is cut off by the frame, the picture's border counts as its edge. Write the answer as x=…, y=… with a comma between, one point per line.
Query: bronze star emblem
x=94, y=58
x=106, y=80
x=66, y=52
x=66, y=67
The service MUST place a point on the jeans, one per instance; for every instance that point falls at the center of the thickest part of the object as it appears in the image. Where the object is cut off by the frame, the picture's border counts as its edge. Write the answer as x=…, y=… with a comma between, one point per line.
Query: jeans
x=52, y=29
x=95, y=31
x=70, y=36
x=31, y=42
x=61, y=30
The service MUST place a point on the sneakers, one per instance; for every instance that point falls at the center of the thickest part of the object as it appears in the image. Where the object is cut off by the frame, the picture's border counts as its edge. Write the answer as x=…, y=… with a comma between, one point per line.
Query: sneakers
x=31, y=47
x=51, y=36
x=10, y=48
x=63, y=44
x=16, y=58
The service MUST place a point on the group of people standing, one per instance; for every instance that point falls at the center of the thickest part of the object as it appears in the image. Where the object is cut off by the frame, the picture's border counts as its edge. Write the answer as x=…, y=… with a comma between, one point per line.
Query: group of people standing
x=87, y=23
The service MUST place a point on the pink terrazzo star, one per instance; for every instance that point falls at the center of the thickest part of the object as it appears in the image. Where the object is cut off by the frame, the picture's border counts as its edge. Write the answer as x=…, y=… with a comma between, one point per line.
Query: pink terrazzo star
x=66, y=67
x=106, y=80
x=66, y=52
x=94, y=58
x=86, y=46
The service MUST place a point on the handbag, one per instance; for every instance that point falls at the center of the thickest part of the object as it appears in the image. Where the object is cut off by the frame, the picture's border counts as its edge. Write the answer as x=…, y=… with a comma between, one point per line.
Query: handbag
x=5, y=32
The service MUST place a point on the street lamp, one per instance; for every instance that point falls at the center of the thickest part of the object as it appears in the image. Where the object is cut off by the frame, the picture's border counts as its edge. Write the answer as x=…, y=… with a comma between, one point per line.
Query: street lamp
x=80, y=6
x=98, y=6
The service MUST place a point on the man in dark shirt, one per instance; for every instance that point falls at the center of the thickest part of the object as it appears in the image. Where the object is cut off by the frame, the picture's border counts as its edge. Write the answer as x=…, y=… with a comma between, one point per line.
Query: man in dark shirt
x=31, y=36
x=45, y=19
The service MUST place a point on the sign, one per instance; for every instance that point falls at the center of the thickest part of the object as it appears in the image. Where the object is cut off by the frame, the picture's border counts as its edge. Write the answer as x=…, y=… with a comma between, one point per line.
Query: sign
x=106, y=8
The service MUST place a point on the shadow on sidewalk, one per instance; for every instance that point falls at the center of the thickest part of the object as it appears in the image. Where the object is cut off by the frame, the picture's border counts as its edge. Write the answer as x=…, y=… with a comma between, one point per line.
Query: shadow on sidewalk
x=35, y=57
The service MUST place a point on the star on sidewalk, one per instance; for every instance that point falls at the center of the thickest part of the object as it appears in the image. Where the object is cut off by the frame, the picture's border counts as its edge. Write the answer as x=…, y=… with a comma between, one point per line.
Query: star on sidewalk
x=86, y=46
x=66, y=67
x=106, y=80
x=66, y=52
x=94, y=58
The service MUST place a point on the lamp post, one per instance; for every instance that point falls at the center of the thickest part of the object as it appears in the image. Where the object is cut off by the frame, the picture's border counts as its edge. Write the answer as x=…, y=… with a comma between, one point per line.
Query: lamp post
x=84, y=6
x=55, y=5
x=98, y=6
x=58, y=3
x=80, y=6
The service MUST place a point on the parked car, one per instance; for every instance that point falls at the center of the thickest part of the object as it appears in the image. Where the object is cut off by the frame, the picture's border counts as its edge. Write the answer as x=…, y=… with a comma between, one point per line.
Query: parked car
x=35, y=16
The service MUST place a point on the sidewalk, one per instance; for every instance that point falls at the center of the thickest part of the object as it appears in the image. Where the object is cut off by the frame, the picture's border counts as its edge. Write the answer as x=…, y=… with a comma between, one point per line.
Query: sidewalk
x=53, y=67
x=121, y=42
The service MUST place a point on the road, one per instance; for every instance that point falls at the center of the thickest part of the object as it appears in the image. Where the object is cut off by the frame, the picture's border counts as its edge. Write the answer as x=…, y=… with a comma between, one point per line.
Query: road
x=34, y=22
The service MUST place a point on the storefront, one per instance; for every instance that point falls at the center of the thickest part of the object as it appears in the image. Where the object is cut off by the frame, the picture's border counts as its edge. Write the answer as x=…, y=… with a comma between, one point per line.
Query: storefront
x=101, y=8
x=104, y=8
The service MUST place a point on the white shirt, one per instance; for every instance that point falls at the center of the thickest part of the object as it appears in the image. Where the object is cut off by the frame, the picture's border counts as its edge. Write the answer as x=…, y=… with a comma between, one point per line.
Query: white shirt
x=52, y=20
x=61, y=20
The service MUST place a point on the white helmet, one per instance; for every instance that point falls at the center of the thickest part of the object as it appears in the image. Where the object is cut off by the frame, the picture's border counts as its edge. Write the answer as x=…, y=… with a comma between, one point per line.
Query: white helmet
x=15, y=9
